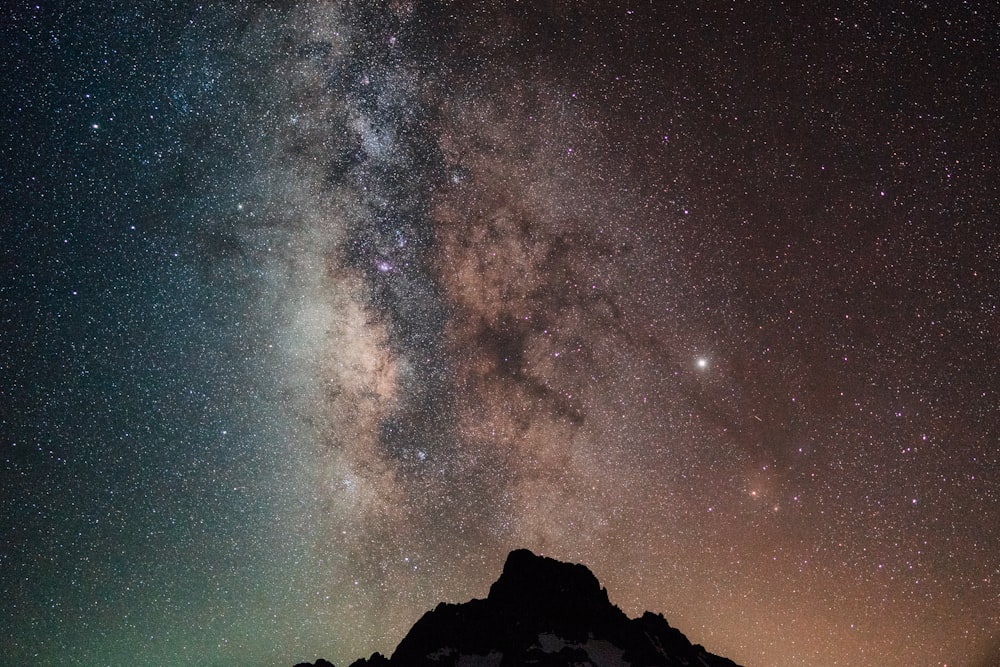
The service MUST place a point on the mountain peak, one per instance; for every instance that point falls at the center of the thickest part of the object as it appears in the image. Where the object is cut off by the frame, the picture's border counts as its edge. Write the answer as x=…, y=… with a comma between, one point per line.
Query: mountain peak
x=542, y=612
x=538, y=587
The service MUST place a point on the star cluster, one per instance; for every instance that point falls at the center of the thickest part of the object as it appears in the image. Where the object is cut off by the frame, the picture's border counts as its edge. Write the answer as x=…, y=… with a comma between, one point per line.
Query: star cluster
x=313, y=310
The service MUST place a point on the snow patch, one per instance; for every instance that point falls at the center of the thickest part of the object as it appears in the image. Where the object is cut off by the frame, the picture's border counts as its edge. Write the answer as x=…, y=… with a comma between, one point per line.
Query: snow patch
x=491, y=659
x=600, y=652
x=551, y=643
x=441, y=653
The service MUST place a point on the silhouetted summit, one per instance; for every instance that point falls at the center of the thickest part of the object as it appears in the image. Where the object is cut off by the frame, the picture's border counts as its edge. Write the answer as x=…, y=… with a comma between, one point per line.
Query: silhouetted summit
x=546, y=613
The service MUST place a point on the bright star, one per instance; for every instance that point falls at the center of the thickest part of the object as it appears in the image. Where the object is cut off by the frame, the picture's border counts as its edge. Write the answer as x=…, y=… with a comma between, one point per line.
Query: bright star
x=702, y=362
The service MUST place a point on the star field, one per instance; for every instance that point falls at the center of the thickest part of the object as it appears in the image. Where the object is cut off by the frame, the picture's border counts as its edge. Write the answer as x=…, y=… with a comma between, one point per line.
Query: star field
x=314, y=310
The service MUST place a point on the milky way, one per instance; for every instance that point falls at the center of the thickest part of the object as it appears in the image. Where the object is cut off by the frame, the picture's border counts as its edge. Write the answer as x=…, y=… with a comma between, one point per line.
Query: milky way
x=314, y=310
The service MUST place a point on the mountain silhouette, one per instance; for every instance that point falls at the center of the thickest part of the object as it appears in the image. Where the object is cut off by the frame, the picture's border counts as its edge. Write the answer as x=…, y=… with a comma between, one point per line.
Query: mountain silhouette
x=546, y=613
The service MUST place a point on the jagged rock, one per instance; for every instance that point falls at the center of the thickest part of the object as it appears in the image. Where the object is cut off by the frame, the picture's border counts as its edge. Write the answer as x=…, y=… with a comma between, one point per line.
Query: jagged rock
x=545, y=613
x=376, y=660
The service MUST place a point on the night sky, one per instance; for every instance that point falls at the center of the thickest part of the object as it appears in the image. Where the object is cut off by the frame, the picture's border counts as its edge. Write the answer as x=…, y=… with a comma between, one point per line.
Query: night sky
x=311, y=311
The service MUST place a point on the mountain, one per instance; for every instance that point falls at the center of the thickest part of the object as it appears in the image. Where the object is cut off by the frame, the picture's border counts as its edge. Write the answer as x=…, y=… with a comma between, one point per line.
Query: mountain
x=546, y=613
